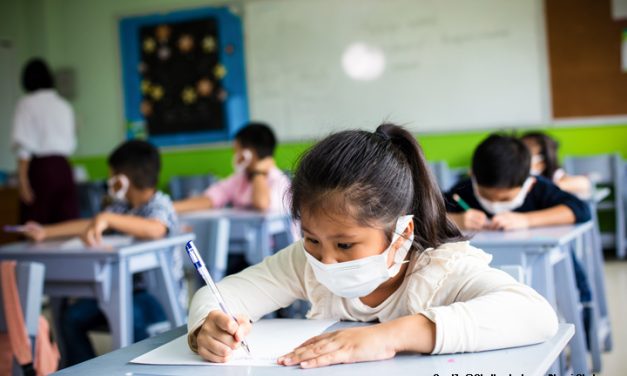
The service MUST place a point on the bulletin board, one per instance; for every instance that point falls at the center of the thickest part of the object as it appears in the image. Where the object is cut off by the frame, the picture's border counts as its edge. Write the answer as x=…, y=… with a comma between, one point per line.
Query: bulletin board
x=184, y=78
x=584, y=44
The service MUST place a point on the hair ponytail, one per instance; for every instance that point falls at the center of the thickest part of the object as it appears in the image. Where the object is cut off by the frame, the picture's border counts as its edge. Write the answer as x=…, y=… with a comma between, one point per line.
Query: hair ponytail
x=431, y=226
x=374, y=177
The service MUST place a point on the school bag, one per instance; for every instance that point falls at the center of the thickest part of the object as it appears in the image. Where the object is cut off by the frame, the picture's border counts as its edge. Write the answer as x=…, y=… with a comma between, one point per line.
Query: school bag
x=16, y=342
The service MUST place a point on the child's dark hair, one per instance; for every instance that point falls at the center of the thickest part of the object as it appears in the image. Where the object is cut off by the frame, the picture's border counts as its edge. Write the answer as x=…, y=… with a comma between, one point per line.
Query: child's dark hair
x=374, y=178
x=139, y=161
x=501, y=161
x=548, y=151
x=36, y=75
x=259, y=137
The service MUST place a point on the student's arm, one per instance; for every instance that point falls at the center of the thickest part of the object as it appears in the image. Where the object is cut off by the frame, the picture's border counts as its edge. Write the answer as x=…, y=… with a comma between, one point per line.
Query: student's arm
x=193, y=203
x=260, y=289
x=26, y=192
x=483, y=309
x=261, y=184
x=557, y=215
x=39, y=233
x=491, y=311
x=577, y=184
x=139, y=227
x=261, y=192
x=472, y=219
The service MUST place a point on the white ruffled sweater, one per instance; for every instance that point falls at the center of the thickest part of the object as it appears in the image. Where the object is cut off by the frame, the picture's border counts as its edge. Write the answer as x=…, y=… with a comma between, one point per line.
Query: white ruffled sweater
x=473, y=306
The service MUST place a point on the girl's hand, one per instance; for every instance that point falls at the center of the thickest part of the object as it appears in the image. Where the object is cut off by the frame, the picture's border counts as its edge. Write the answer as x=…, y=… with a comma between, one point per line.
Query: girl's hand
x=361, y=344
x=219, y=335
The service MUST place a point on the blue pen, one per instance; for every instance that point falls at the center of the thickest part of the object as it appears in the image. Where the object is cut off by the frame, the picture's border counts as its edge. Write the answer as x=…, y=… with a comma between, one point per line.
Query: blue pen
x=193, y=254
x=18, y=228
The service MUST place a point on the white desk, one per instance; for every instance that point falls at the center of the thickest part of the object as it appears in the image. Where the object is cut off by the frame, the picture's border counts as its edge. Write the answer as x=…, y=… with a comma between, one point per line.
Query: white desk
x=544, y=255
x=531, y=360
x=213, y=232
x=106, y=274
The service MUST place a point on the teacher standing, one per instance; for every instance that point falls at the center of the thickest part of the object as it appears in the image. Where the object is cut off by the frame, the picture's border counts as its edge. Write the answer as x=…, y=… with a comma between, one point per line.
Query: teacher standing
x=44, y=137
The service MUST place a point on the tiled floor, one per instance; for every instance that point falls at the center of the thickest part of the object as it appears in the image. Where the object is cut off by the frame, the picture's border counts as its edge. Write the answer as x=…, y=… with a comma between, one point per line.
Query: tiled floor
x=614, y=363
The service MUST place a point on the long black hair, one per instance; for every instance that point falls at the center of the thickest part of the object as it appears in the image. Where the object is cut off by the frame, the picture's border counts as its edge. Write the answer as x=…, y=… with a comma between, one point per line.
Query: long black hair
x=548, y=151
x=374, y=178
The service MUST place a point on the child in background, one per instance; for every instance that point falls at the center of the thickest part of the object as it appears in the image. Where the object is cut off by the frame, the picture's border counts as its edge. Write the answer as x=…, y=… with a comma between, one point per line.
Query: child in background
x=377, y=247
x=503, y=196
x=256, y=184
x=544, y=162
x=138, y=209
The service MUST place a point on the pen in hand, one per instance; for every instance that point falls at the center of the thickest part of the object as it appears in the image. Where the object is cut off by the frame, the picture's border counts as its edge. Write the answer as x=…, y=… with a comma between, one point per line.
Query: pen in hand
x=193, y=254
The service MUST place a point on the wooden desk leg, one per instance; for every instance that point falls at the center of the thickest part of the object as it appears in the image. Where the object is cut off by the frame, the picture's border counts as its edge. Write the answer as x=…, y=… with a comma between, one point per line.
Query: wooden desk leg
x=118, y=308
x=570, y=307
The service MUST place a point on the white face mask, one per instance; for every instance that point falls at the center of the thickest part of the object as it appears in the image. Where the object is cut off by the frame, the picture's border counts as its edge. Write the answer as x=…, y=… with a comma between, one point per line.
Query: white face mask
x=503, y=206
x=247, y=157
x=535, y=159
x=357, y=278
x=120, y=194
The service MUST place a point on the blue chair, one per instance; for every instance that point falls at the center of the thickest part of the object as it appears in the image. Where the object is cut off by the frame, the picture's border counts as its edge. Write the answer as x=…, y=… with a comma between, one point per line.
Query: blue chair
x=605, y=170
x=187, y=186
x=30, y=284
x=446, y=176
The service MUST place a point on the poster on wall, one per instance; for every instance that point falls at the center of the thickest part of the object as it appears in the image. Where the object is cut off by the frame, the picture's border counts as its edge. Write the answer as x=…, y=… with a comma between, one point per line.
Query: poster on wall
x=184, y=76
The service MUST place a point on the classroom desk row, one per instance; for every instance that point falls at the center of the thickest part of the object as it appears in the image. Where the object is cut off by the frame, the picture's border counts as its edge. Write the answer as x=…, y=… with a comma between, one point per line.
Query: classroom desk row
x=105, y=273
x=544, y=255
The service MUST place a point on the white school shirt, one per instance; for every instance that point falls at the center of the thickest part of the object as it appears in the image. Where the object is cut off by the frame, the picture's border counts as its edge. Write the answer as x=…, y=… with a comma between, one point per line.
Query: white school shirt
x=473, y=306
x=43, y=125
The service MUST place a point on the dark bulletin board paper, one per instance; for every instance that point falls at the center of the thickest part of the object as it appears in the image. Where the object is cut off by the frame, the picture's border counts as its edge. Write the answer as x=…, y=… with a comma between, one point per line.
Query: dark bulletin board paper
x=584, y=45
x=180, y=90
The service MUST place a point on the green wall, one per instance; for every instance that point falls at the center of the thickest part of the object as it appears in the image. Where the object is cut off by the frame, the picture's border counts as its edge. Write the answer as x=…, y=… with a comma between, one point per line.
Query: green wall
x=455, y=148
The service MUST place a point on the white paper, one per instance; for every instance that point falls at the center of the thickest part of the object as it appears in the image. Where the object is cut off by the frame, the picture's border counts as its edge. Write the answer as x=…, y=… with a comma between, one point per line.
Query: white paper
x=108, y=242
x=268, y=340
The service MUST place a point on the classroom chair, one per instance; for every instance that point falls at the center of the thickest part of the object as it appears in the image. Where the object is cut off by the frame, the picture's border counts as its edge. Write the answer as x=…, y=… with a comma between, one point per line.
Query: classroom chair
x=446, y=176
x=30, y=284
x=605, y=170
x=442, y=174
x=187, y=186
x=90, y=197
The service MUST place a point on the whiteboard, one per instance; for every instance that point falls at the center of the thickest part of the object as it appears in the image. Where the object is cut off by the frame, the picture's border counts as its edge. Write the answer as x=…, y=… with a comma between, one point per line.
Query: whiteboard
x=449, y=64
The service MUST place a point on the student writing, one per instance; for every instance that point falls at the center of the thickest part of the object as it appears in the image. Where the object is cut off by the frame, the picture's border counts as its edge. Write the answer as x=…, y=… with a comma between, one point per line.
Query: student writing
x=503, y=195
x=543, y=149
x=377, y=247
x=138, y=209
